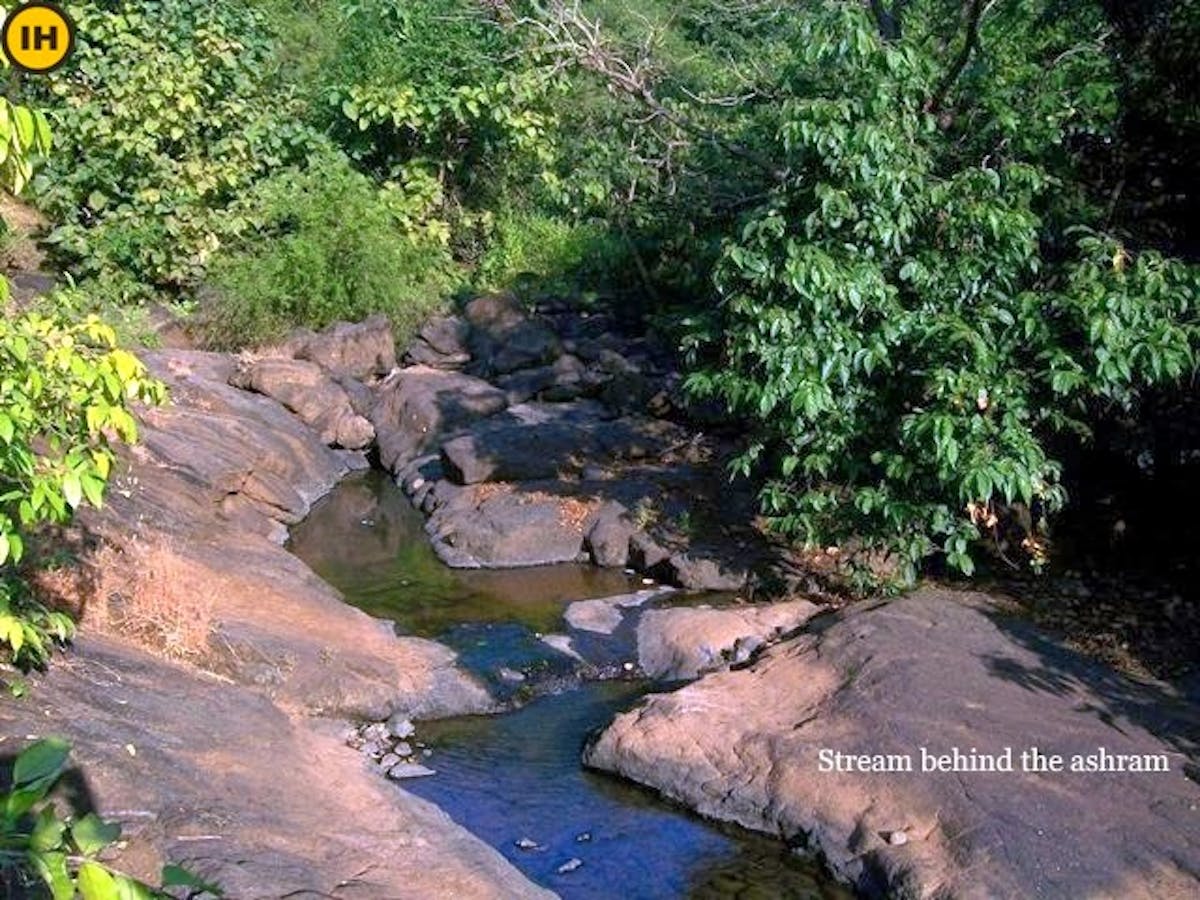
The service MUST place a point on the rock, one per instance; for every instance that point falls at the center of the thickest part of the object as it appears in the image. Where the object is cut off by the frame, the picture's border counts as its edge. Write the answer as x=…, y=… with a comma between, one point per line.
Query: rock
x=419, y=353
x=532, y=442
x=478, y=527
x=684, y=641
x=447, y=335
x=403, y=748
x=583, y=837
x=935, y=669
x=376, y=732
x=603, y=615
x=410, y=770
x=561, y=643
x=400, y=727
x=645, y=555
x=292, y=811
x=503, y=338
x=389, y=760
x=696, y=574
x=898, y=838
x=527, y=844
x=305, y=389
x=608, y=539
x=359, y=350
x=419, y=407
x=570, y=865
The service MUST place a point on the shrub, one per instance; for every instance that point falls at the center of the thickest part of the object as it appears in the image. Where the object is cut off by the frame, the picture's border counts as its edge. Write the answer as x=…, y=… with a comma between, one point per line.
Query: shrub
x=329, y=245
x=909, y=318
x=552, y=250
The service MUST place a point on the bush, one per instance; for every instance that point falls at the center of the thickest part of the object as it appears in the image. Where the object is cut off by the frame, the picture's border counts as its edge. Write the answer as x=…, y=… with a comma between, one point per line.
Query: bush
x=909, y=318
x=164, y=115
x=329, y=245
x=551, y=250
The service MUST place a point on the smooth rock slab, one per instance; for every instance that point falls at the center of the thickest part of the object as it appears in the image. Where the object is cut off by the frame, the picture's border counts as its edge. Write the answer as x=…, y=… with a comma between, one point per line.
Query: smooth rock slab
x=603, y=615
x=940, y=670
x=685, y=641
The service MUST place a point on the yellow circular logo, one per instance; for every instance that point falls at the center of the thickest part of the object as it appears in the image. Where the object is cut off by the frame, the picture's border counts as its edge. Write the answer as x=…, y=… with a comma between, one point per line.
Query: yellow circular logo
x=38, y=37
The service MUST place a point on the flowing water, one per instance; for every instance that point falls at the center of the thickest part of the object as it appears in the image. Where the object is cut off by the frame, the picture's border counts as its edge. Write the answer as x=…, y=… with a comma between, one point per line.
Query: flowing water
x=517, y=777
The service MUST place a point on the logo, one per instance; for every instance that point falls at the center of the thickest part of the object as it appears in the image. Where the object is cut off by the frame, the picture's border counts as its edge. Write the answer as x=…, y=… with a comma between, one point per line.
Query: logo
x=38, y=37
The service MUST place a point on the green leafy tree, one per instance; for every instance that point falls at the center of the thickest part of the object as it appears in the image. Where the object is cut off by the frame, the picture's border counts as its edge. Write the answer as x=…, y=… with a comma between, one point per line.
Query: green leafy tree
x=917, y=308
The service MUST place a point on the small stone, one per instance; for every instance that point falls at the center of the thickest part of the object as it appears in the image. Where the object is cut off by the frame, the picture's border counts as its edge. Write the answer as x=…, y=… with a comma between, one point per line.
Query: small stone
x=647, y=581
x=399, y=726
x=898, y=838
x=628, y=667
x=583, y=837
x=388, y=761
x=526, y=843
x=570, y=865
x=376, y=732
x=507, y=674
x=403, y=748
x=409, y=770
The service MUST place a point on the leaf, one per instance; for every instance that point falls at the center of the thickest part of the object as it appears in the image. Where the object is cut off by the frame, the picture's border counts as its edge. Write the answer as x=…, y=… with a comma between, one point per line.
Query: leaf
x=95, y=883
x=177, y=876
x=92, y=834
x=72, y=489
x=52, y=869
x=47, y=830
x=40, y=761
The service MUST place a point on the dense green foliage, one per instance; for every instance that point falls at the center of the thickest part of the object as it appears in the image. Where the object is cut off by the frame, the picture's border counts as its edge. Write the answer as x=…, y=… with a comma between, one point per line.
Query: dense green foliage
x=39, y=846
x=914, y=247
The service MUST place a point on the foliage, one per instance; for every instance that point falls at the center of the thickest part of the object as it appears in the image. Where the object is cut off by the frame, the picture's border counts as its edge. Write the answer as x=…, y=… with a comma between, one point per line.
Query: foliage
x=64, y=391
x=329, y=245
x=38, y=844
x=907, y=316
x=552, y=251
x=163, y=119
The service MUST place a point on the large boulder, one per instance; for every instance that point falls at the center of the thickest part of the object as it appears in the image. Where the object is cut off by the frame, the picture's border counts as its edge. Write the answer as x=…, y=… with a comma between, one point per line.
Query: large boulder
x=943, y=672
x=697, y=573
x=359, y=350
x=441, y=343
x=608, y=539
x=504, y=338
x=420, y=406
x=310, y=393
x=493, y=526
x=686, y=641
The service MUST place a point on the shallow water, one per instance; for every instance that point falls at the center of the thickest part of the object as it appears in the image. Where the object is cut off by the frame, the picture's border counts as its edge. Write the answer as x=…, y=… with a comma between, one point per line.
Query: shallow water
x=519, y=775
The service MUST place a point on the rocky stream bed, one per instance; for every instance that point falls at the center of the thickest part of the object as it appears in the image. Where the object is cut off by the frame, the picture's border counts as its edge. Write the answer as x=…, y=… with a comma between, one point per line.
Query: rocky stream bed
x=234, y=713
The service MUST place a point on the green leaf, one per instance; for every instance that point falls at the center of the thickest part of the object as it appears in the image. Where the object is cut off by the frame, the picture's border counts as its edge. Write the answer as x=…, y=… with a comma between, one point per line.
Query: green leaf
x=40, y=761
x=95, y=883
x=177, y=876
x=92, y=834
x=52, y=869
x=47, y=830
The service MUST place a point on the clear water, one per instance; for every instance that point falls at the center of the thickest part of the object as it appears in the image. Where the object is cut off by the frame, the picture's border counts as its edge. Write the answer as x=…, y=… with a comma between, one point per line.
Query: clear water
x=518, y=775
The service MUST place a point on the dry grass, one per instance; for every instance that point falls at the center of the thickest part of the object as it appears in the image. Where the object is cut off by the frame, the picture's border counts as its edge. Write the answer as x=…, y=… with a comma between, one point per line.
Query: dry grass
x=145, y=592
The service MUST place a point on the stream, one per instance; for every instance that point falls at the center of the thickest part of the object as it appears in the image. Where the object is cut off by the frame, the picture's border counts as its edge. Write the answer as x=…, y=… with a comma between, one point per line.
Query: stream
x=517, y=776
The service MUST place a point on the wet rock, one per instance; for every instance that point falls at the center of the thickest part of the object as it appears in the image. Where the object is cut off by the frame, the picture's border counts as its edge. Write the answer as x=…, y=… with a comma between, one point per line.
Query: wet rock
x=358, y=350
x=306, y=390
x=936, y=669
x=684, y=642
x=410, y=770
x=603, y=615
x=583, y=837
x=420, y=406
x=570, y=865
x=608, y=539
x=526, y=844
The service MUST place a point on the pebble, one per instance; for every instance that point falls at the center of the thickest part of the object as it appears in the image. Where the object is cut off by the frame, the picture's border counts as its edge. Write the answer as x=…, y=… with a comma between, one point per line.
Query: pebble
x=570, y=865
x=898, y=838
x=403, y=748
x=409, y=770
x=390, y=760
x=376, y=732
x=401, y=727
x=507, y=674
x=526, y=843
x=583, y=837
